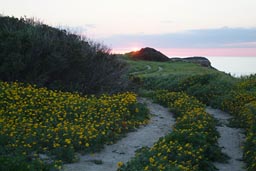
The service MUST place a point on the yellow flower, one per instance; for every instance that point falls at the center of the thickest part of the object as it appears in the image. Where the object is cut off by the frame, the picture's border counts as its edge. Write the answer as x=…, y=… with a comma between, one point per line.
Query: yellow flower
x=136, y=110
x=146, y=168
x=151, y=160
x=120, y=164
x=68, y=141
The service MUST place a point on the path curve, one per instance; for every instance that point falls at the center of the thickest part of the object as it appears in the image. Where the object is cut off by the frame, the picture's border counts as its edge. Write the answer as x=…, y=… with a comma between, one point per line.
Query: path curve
x=160, y=69
x=231, y=141
x=148, y=67
x=160, y=124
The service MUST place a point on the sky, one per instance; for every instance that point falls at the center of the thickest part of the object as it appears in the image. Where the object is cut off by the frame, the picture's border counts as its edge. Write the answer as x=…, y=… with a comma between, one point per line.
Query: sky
x=175, y=27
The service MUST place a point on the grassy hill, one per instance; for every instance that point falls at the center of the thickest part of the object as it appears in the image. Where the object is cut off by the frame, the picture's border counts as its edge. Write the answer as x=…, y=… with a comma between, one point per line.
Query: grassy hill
x=203, y=82
x=150, y=69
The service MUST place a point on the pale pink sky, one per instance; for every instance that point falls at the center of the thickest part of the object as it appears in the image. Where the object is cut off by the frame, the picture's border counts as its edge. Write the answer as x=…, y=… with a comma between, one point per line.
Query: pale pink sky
x=209, y=52
x=228, y=26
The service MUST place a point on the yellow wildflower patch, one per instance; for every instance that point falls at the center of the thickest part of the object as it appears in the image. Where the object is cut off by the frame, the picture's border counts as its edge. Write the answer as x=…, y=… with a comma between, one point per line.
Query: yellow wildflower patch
x=37, y=120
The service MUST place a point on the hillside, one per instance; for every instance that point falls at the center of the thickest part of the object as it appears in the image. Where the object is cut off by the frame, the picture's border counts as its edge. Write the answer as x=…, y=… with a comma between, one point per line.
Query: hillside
x=39, y=54
x=203, y=61
x=150, y=54
x=178, y=76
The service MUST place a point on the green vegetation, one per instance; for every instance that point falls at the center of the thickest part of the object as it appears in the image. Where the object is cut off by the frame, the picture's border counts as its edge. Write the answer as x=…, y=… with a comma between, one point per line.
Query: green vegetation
x=36, y=121
x=206, y=84
x=234, y=95
x=192, y=144
x=48, y=111
x=35, y=53
x=42, y=128
x=241, y=102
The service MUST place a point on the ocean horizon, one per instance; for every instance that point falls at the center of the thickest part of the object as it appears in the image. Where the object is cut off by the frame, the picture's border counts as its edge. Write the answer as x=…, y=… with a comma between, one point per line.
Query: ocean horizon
x=235, y=66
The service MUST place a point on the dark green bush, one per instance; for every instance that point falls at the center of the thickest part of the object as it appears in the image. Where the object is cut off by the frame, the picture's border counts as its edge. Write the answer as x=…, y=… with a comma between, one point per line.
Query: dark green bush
x=49, y=57
x=22, y=163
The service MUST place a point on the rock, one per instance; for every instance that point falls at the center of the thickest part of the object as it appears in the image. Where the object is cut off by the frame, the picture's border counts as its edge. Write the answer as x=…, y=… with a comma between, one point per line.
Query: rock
x=203, y=61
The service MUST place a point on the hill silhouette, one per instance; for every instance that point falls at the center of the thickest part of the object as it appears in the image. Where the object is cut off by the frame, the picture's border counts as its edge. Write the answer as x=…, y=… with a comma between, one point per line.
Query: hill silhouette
x=148, y=54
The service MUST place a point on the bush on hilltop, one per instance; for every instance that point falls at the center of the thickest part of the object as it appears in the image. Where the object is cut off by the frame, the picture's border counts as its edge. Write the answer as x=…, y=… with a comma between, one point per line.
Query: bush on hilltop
x=35, y=53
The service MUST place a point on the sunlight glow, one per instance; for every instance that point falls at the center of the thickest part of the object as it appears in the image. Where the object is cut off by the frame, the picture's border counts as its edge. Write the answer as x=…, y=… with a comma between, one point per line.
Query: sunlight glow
x=134, y=49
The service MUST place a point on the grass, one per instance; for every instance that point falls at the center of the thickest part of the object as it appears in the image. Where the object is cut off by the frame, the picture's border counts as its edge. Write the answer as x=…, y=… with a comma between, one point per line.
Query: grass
x=206, y=84
x=168, y=68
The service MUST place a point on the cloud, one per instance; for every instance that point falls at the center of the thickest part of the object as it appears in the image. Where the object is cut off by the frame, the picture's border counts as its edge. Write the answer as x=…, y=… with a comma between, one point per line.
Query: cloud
x=81, y=30
x=201, y=38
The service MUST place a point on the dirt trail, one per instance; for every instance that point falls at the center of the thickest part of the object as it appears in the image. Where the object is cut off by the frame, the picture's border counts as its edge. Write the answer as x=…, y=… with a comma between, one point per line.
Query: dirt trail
x=160, y=69
x=148, y=67
x=231, y=141
x=160, y=124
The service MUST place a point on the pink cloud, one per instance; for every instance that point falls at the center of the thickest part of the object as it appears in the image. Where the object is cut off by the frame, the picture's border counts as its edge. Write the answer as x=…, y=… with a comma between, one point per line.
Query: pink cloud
x=210, y=52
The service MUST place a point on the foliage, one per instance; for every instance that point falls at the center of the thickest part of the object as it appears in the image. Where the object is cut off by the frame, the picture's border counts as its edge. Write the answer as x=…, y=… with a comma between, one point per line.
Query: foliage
x=250, y=147
x=190, y=146
x=234, y=95
x=206, y=84
x=235, y=100
x=241, y=102
x=35, y=53
x=36, y=121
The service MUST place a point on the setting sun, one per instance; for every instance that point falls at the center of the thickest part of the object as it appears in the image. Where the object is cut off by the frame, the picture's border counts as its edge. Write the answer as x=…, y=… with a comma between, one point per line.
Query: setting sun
x=135, y=49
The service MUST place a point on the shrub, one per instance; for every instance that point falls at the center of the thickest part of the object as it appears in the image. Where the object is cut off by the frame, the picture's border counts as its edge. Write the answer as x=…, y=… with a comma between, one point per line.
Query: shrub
x=35, y=53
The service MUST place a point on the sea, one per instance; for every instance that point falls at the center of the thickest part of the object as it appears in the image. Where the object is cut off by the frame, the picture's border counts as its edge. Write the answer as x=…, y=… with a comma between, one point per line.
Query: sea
x=236, y=66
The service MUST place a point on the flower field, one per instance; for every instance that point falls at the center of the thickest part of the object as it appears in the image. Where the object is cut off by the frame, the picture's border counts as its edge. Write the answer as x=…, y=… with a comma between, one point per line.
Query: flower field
x=36, y=121
x=191, y=146
x=241, y=102
x=249, y=114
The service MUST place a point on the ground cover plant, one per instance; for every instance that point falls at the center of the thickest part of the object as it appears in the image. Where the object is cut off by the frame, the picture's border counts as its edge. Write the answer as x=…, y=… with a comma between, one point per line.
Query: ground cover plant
x=241, y=103
x=206, y=84
x=191, y=146
x=36, y=122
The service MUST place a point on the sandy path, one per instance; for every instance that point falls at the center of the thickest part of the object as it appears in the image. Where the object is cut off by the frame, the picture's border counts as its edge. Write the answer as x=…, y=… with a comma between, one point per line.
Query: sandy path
x=148, y=67
x=231, y=140
x=160, y=69
x=160, y=124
